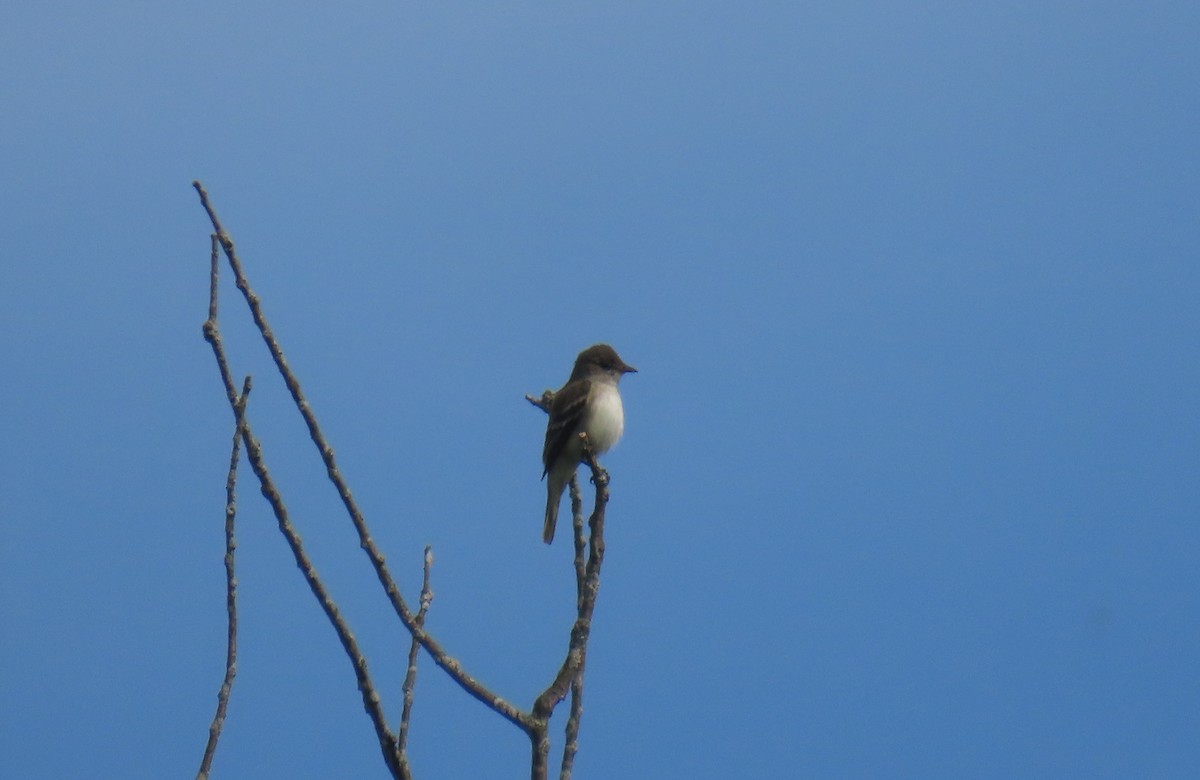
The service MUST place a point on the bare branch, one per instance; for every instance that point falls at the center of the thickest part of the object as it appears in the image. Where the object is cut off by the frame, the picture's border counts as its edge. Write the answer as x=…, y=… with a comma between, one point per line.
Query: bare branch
x=214, y=264
x=579, y=540
x=393, y=756
x=451, y=666
x=218, y=722
x=371, y=701
x=410, y=677
x=370, y=695
x=212, y=335
x=571, y=735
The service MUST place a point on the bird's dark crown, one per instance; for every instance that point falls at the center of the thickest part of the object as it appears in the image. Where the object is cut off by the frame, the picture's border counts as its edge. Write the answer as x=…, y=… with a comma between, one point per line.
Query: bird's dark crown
x=603, y=356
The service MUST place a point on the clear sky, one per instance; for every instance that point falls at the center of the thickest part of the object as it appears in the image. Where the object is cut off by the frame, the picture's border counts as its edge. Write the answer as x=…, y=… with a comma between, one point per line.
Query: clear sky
x=910, y=485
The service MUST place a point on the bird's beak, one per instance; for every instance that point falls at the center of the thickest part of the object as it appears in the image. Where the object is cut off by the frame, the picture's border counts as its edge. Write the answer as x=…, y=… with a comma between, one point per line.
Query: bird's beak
x=628, y=369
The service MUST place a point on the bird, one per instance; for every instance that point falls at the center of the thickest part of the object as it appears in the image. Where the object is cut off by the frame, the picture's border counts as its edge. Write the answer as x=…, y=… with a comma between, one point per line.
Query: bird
x=588, y=403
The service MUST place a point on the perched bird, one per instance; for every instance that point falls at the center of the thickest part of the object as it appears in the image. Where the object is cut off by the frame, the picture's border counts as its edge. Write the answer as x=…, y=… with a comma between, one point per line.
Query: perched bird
x=588, y=403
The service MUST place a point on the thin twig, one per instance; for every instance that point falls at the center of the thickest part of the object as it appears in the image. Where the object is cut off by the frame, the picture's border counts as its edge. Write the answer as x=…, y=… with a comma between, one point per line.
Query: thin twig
x=440, y=656
x=571, y=732
x=450, y=665
x=410, y=677
x=579, y=539
x=571, y=735
x=370, y=696
x=218, y=722
x=211, y=334
x=371, y=701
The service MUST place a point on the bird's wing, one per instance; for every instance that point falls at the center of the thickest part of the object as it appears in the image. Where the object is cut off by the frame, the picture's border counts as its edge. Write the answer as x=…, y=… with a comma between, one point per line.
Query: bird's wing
x=566, y=417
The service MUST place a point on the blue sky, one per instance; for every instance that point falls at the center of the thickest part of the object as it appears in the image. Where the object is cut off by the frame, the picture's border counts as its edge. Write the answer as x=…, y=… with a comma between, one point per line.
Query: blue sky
x=909, y=486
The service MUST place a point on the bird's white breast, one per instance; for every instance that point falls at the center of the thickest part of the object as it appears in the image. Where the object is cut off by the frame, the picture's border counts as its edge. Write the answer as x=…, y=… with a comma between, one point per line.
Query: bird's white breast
x=606, y=418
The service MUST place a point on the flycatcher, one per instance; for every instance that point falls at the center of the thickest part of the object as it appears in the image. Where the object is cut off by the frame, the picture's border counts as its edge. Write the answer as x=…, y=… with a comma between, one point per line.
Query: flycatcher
x=588, y=403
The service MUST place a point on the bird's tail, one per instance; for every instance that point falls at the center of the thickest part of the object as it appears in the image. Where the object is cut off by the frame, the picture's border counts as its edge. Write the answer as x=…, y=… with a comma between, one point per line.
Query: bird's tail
x=556, y=483
x=552, y=501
